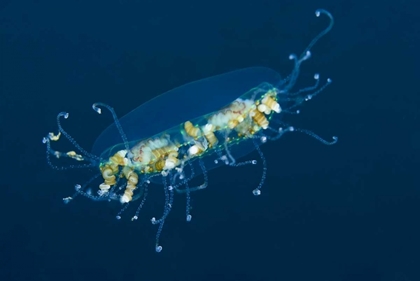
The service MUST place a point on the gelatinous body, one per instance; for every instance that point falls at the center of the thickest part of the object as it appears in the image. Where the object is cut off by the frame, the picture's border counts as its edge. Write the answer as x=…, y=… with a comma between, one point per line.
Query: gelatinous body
x=189, y=130
x=188, y=102
x=184, y=103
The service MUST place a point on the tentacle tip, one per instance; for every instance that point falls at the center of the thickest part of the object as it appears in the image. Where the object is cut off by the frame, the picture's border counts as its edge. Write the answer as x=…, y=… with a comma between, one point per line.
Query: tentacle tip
x=158, y=248
x=44, y=140
x=189, y=218
x=63, y=114
x=316, y=76
x=96, y=108
x=329, y=80
x=153, y=220
x=318, y=12
x=335, y=138
x=256, y=192
x=292, y=56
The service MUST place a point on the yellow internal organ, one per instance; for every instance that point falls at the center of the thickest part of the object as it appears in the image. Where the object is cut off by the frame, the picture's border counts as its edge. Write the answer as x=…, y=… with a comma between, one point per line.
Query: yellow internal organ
x=54, y=137
x=159, y=152
x=191, y=130
x=235, y=122
x=109, y=170
x=132, y=180
x=118, y=158
x=75, y=156
x=159, y=165
x=172, y=160
x=211, y=138
x=271, y=103
x=108, y=175
x=165, y=150
x=260, y=119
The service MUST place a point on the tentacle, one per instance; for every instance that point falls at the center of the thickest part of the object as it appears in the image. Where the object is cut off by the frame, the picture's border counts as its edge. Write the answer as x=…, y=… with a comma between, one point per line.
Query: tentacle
x=96, y=107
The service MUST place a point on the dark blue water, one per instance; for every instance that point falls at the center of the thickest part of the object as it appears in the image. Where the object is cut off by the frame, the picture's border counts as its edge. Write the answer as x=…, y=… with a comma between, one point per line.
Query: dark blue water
x=344, y=212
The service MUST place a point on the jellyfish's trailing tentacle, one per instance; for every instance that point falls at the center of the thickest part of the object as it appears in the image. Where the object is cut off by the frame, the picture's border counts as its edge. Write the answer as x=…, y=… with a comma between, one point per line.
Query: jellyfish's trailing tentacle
x=315, y=136
x=169, y=198
x=188, y=202
x=228, y=156
x=290, y=81
x=306, y=89
x=83, y=156
x=96, y=106
x=65, y=115
x=185, y=181
x=58, y=154
x=80, y=190
x=318, y=13
x=257, y=191
x=136, y=215
x=125, y=206
x=179, y=174
x=281, y=131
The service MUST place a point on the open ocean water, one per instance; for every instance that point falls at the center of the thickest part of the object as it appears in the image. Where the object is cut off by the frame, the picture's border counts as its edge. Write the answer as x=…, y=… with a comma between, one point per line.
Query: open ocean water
x=347, y=212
